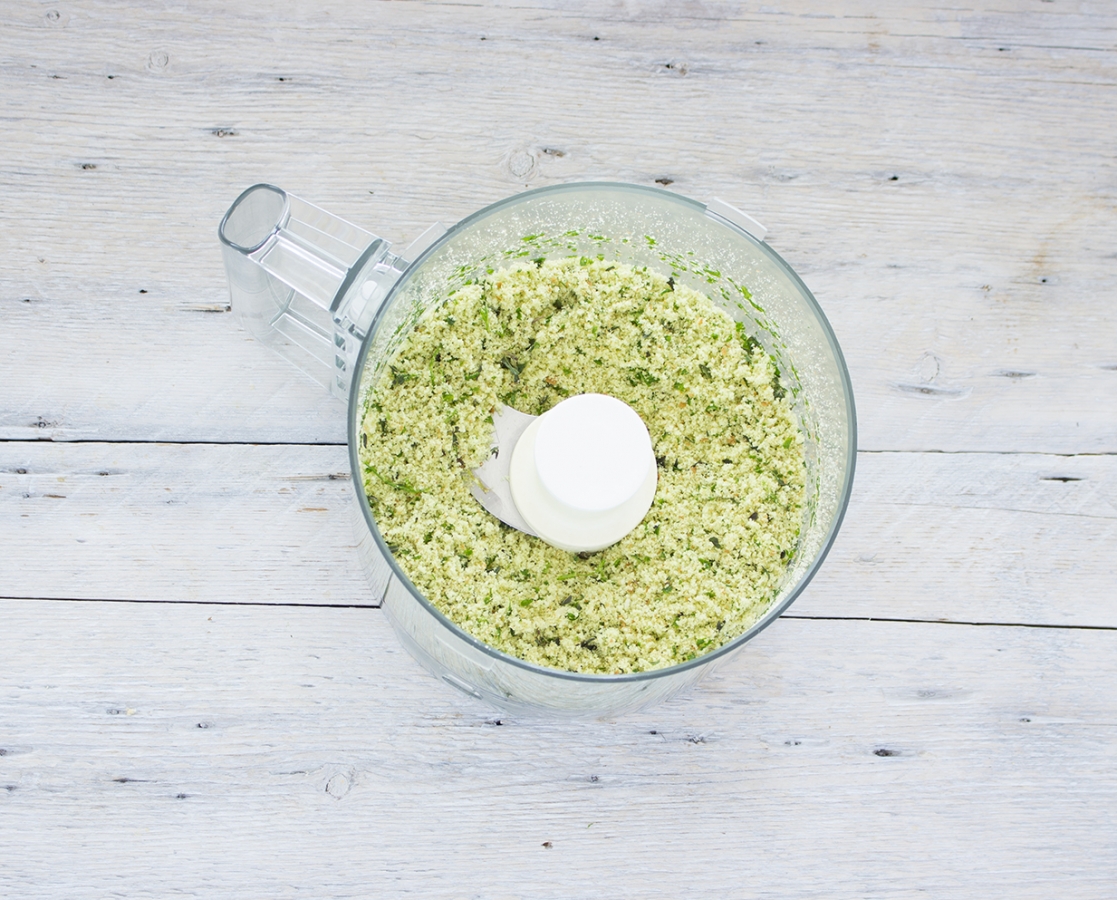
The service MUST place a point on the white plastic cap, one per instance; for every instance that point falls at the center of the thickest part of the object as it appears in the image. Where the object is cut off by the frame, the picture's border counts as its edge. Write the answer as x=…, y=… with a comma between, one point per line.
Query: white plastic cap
x=583, y=475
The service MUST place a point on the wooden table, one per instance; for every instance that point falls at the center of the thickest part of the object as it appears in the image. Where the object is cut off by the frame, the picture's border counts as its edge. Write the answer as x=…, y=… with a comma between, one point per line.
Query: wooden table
x=198, y=696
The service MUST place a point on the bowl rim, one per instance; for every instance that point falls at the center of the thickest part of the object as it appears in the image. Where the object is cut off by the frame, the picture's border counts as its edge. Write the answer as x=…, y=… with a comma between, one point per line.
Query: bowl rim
x=774, y=611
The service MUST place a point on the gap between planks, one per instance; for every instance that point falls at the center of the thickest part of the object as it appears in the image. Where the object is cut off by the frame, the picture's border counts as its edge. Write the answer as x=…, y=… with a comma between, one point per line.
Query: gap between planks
x=891, y=620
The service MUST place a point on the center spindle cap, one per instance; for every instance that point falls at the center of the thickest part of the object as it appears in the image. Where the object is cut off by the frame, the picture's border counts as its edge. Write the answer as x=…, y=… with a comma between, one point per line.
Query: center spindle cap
x=583, y=474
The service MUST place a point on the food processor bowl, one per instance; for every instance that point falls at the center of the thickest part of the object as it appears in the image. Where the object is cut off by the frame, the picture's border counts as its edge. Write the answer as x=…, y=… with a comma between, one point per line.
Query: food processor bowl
x=373, y=299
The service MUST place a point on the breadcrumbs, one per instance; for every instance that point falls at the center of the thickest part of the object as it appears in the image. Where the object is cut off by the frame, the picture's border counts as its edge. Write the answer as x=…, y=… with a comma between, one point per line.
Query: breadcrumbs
x=708, y=558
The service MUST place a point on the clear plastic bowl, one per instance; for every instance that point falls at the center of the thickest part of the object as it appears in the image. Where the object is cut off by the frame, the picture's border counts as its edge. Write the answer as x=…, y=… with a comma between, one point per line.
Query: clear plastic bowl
x=677, y=237
x=626, y=223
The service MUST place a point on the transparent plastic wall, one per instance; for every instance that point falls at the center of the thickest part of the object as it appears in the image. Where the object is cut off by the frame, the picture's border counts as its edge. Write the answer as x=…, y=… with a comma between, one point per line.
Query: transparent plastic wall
x=679, y=238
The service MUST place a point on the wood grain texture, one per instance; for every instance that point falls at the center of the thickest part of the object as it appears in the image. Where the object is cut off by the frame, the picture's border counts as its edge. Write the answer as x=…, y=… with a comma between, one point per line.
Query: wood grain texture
x=225, y=523
x=982, y=537
x=975, y=537
x=943, y=180
x=282, y=752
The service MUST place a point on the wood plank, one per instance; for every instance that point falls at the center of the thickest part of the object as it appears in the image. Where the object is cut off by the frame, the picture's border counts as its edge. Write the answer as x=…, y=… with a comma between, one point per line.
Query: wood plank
x=967, y=537
x=966, y=264
x=278, y=752
x=225, y=523
x=152, y=374
x=981, y=537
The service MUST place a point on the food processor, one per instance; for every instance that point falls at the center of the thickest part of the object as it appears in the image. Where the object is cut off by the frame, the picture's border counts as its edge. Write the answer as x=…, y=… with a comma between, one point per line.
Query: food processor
x=338, y=301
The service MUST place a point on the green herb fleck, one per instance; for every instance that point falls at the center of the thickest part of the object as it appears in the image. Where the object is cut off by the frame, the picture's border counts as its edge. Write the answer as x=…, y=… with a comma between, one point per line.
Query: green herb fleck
x=399, y=377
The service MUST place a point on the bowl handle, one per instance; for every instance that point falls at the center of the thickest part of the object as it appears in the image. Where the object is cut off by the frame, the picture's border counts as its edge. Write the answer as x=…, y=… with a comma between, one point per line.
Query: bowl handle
x=306, y=282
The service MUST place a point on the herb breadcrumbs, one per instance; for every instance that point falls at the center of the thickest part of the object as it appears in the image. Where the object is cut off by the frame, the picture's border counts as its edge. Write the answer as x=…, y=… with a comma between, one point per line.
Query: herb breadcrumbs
x=709, y=556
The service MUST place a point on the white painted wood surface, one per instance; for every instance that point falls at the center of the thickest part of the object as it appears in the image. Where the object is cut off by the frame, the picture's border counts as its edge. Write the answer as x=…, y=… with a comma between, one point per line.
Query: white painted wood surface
x=963, y=291
x=944, y=181
x=217, y=752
